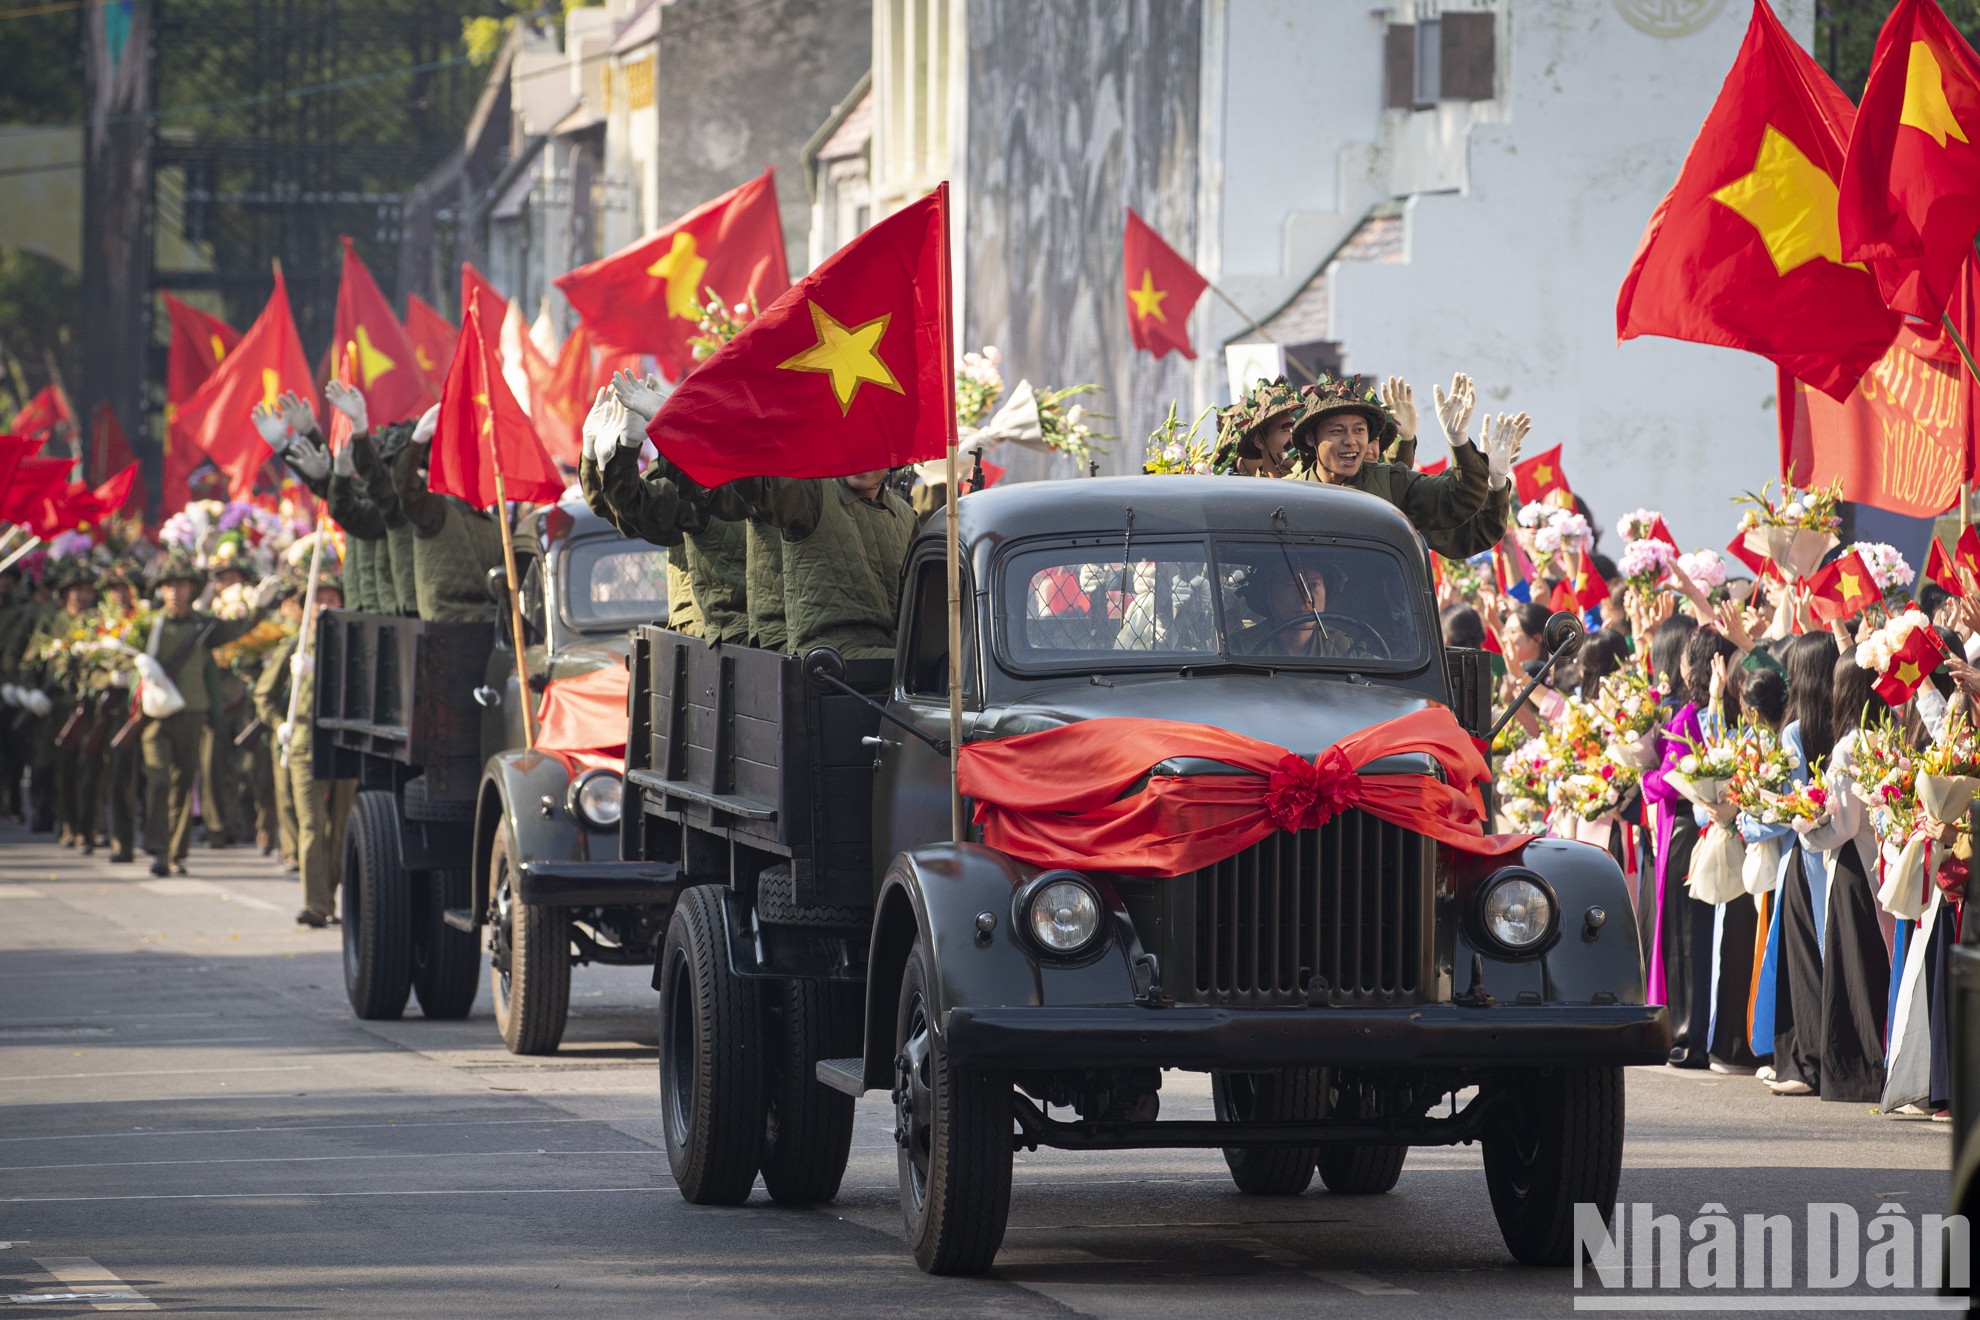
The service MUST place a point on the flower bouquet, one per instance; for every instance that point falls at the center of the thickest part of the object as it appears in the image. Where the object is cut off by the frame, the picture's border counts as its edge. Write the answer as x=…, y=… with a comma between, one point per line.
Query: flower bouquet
x=1795, y=531
x=1524, y=782
x=978, y=383
x=1174, y=452
x=1892, y=574
x=1068, y=429
x=1644, y=564
x=1703, y=773
x=1641, y=525
x=1629, y=706
x=1764, y=769
x=719, y=324
x=259, y=641
x=1949, y=779
x=1807, y=802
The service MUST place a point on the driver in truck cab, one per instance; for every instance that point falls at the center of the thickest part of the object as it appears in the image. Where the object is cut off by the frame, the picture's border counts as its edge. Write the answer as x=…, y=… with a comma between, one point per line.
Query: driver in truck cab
x=1294, y=601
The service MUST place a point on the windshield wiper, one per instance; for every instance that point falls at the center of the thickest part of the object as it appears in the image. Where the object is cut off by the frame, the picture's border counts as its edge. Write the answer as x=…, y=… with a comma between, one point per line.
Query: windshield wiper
x=1228, y=667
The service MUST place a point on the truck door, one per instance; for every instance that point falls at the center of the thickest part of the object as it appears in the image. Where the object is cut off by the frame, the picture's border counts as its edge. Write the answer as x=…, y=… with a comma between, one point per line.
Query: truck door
x=911, y=795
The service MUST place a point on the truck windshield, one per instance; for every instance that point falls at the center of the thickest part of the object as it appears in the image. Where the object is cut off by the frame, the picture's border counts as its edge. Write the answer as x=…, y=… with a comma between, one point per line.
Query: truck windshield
x=1291, y=603
x=611, y=584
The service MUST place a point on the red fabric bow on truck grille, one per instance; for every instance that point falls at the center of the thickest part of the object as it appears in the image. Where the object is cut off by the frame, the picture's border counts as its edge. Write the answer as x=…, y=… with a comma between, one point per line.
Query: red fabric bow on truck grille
x=1054, y=798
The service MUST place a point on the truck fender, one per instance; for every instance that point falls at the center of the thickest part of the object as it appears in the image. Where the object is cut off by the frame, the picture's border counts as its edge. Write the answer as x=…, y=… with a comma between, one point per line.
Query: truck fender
x=1599, y=950
x=514, y=785
x=935, y=894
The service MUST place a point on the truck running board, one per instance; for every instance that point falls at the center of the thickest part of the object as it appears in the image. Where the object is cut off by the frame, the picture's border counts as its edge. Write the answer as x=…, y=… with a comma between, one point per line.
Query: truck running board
x=847, y=1075
x=461, y=919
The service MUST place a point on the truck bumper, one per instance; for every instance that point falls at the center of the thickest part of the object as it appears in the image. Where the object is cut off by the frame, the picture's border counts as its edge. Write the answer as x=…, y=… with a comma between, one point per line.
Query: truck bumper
x=595, y=884
x=1188, y=1036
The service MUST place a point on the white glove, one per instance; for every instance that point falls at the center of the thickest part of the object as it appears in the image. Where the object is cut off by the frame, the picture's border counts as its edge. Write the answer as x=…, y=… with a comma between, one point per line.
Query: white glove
x=428, y=423
x=1501, y=442
x=283, y=733
x=632, y=429
x=268, y=424
x=10, y=694
x=1400, y=400
x=640, y=396
x=346, y=400
x=596, y=438
x=302, y=664
x=343, y=462
x=308, y=461
x=296, y=412
x=37, y=701
x=1454, y=409
x=269, y=588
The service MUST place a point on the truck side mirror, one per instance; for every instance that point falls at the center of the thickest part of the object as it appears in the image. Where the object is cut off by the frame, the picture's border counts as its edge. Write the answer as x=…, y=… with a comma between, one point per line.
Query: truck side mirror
x=497, y=583
x=1563, y=634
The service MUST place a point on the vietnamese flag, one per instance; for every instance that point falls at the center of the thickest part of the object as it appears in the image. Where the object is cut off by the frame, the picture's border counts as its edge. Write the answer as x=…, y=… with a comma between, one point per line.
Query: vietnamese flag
x=13, y=448
x=1737, y=549
x=484, y=449
x=1910, y=189
x=1162, y=290
x=1911, y=663
x=42, y=413
x=268, y=361
x=1436, y=468
x=433, y=337
x=648, y=297
x=388, y=374
x=199, y=344
x=1540, y=476
x=1841, y=588
x=1587, y=584
x=109, y=450
x=564, y=396
x=1943, y=568
x=1743, y=251
x=853, y=370
x=78, y=503
x=35, y=483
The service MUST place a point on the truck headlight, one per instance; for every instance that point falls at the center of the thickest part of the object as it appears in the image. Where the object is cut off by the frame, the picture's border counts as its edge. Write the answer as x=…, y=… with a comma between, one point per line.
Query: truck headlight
x=1062, y=911
x=1517, y=911
x=598, y=798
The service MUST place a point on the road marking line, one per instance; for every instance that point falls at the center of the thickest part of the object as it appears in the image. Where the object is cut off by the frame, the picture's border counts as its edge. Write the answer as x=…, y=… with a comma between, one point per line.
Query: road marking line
x=21, y=891
x=316, y=1196
x=154, y=1072
x=1360, y=1283
x=324, y=1159
x=315, y=1127
x=92, y=1283
x=180, y=888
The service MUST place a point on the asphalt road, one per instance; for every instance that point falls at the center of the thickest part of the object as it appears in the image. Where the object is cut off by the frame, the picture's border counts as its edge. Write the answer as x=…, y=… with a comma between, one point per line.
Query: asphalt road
x=192, y=1121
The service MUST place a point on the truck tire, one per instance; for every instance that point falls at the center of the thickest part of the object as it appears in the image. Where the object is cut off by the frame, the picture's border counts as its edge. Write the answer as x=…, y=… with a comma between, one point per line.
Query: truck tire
x=1286, y=1095
x=1555, y=1138
x=807, y=1133
x=529, y=963
x=953, y=1126
x=712, y=1107
x=377, y=910
x=1357, y=1170
x=777, y=905
x=446, y=972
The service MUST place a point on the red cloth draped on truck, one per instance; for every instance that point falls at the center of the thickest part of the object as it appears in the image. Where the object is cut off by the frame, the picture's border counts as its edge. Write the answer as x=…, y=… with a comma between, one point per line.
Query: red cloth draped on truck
x=1054, y=798
x=584, y=718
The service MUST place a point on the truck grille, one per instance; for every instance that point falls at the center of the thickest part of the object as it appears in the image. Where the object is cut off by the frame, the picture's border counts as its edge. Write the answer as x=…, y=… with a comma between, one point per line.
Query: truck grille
x=1348, y=903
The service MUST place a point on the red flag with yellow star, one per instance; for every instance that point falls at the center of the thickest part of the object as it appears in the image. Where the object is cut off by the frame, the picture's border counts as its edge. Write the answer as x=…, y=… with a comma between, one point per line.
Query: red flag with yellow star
x=43, y=413
x=1841, y=588
x=1540, y=476
x=268, y=361
x=482, y=429
x=200, y=342
x=1162, y=289
x=1587, y=584
x=433, y=338
x=1922, y=651
x=388, y=373
x=1744, y=251
x=851, y=371
x=648, y=297
x=1910, y=189
x=1943, y=568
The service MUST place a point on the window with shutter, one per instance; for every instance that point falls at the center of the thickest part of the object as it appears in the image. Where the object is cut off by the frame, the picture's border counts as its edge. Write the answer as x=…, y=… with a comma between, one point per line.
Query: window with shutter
x=1399, y=66
x=1465, y=57
x=1429, y=62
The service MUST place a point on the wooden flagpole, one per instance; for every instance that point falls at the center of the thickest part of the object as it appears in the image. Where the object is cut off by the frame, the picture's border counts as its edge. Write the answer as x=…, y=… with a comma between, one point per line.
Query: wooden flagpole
x=27, y=548
x=1966, y=356
x=515, y=597
x=1258, y=329
x=955, y=652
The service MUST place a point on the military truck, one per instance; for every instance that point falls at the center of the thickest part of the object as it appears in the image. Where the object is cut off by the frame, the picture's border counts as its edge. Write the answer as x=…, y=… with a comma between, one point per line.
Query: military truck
x=455, y=826
x=1352, y=990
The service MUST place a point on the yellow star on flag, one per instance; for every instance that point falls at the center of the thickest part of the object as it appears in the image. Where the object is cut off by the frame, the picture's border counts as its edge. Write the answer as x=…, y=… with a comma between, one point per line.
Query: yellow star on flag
x=1907, y=673
x=682, y=268
x=1925, y=105
x=849, y=355
x=371, y=363
x=219, y=350
x=1792, y=202
x=1851, y=585
x=487, y=409
x=425, y=362
x=271, y=385
x=1543, y=474
x=1147, y=299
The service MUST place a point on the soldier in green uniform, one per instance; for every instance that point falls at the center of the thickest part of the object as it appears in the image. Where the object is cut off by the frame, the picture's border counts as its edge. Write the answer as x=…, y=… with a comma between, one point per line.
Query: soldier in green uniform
x=1255, y=433
x=454, y=544
x=321, y=808
x=182, y=642
x=121, y=758
x=1486, y=527
x=27, y=706
x=61, y=668
x=220, y=792
x=683, y=615
x=271, y=697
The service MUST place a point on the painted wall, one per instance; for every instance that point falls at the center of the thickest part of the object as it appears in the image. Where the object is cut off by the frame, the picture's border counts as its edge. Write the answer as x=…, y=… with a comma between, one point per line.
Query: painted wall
x=1514, y=278
x=1075, y=113
x=741, y=86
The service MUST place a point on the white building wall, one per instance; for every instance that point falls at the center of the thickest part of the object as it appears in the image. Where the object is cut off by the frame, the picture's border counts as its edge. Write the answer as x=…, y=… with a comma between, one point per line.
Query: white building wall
x=1514, y=278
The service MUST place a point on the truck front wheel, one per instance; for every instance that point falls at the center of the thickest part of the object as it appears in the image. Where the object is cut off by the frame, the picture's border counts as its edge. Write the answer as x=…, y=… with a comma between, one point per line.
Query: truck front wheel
x=377, y=910
x=808, y=1135
x=712, y=1106
x=1288, y=1095
x=1553, y=1139
x=1355, y=1170
x=953, y=1126
x=529, y=962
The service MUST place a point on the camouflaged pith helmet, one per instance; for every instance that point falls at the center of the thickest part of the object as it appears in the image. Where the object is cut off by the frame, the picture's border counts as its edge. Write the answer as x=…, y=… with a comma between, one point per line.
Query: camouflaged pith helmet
x=117, y=575
x=63, y=574
x=390, y=438
x=177, y=565
x=1239, y=426
x=1335, y=394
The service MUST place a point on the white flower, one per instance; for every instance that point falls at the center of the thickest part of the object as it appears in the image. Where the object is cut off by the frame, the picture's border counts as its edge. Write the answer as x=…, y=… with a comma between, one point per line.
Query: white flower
x=1705, y=568
x=1794, y=510
x=1689, y=765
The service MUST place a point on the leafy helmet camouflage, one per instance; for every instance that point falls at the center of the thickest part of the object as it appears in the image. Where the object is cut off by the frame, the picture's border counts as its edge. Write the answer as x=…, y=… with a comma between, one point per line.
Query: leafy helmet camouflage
x=1240, y=426
x=1331, y=395
x=178, y=565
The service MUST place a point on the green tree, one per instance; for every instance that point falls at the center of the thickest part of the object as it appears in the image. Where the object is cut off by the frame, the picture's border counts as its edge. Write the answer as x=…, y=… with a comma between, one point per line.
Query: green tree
x=1846, y=35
